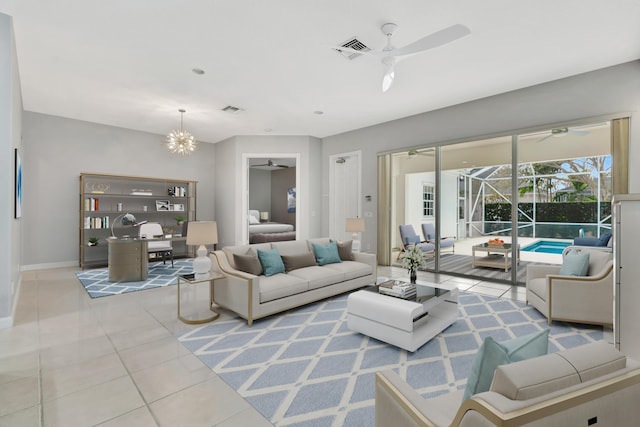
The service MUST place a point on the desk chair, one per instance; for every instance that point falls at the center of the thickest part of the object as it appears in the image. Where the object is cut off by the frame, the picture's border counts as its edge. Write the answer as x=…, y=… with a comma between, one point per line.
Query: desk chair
x=153, y=230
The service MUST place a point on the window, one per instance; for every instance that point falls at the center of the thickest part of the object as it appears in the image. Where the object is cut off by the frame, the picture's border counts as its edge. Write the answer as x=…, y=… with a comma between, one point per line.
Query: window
x=428, y=200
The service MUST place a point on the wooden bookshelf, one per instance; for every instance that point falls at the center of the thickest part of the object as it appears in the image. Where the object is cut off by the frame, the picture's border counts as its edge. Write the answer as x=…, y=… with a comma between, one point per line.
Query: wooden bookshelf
x=104, y=198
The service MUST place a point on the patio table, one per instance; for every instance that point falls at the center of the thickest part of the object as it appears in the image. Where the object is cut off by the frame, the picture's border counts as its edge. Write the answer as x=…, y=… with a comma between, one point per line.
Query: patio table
x=493, y=256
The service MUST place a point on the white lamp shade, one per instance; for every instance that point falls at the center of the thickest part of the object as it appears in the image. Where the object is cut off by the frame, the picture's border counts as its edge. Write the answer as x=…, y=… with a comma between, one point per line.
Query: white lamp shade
x=202, y=233
x=354, y=225
x=264, y=216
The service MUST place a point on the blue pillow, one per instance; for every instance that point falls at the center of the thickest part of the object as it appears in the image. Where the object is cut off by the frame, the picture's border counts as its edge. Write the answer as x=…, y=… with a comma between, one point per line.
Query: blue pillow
x=271, y=262
x=575, y=263
x=492, y=354
x=326, y=254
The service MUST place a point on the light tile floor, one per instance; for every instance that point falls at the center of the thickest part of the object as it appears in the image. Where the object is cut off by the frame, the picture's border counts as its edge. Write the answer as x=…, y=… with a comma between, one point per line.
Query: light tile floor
x=70, y=360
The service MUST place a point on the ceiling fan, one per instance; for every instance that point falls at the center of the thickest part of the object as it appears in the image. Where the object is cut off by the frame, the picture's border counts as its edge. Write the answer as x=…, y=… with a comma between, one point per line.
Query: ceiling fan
x=270, y=163
x=429, y=152
x=390, y=55
x=560, y=132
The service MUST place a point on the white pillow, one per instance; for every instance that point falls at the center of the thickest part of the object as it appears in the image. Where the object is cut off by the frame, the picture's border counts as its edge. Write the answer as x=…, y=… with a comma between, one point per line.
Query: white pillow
x=253, y=220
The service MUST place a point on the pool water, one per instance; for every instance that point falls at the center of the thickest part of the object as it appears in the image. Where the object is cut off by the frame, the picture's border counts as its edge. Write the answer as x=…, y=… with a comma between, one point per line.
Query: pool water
x=547, y=247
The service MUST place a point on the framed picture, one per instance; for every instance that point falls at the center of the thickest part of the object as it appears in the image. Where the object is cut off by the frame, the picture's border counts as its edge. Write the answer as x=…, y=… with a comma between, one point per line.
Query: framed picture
x=162, y=205
x=18, y=184
x=291, y=200
x=178, y=207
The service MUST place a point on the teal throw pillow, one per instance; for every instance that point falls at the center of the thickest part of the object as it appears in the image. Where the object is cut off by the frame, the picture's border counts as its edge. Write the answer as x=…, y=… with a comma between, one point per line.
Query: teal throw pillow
x=575, y=263
x=271, y=262
x=492, y=354
x=326, y=254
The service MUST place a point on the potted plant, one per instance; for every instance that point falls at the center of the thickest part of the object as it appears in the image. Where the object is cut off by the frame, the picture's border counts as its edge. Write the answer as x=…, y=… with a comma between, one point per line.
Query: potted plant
x=180, y=220
x=93, y=241
x=412, y=260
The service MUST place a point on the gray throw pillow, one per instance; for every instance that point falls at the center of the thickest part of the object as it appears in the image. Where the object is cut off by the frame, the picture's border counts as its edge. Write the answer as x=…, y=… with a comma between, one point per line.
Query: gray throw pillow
x=345, y=251
x=293, y=262
x=248, y=263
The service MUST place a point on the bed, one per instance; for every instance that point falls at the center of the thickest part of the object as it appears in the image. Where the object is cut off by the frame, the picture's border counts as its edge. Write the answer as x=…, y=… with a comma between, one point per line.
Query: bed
x=268, y=231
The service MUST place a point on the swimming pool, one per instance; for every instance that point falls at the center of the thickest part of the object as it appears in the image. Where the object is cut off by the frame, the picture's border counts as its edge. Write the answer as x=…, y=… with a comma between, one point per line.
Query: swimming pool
x=547, y=247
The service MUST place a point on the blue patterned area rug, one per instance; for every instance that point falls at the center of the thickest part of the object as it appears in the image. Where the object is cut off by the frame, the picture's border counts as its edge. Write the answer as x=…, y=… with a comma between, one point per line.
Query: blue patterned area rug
x=306, y=368
x=97, y=284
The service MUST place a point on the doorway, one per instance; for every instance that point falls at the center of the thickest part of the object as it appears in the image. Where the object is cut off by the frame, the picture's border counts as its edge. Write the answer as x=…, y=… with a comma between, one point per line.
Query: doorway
x=270, y=205
x=345, y=192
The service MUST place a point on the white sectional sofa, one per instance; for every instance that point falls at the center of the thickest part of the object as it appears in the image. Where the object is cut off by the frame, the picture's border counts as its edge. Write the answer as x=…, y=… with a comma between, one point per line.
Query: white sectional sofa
x=254, y=296
x=591, y=385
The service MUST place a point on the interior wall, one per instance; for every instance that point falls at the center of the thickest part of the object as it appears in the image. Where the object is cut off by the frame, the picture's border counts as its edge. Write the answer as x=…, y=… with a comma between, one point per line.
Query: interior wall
x=10, y=138
x=260, y=190
x=229, y=194
x=281, y=181
x=57, y=150
x=602, y=92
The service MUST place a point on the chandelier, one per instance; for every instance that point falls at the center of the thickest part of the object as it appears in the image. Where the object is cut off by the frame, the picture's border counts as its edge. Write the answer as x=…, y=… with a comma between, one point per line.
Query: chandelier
x=181, y=142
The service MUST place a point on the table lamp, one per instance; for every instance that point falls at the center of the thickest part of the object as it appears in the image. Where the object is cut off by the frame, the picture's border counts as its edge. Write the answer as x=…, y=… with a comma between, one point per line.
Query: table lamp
x=127, y=219
x=264, y=216
x=202, y=233
x=354, y=226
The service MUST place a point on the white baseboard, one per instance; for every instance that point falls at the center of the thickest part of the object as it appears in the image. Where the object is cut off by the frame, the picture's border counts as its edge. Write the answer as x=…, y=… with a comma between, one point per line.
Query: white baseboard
x=49, y=265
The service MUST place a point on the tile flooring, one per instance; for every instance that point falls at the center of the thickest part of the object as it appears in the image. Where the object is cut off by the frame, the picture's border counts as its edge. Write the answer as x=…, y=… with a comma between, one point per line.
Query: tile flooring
x=70, y=360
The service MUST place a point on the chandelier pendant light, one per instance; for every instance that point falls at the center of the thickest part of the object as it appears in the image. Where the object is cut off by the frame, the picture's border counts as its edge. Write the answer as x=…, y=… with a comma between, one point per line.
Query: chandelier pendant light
x=181, y=142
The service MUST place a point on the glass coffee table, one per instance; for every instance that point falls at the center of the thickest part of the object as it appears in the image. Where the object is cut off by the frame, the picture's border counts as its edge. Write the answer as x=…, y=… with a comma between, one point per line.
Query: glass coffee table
x=407, y=323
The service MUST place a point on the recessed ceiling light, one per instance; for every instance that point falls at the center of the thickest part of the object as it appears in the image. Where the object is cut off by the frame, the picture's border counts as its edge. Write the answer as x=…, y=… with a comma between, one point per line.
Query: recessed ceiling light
x=268, y=130
x=197, y=71
x=318, y=112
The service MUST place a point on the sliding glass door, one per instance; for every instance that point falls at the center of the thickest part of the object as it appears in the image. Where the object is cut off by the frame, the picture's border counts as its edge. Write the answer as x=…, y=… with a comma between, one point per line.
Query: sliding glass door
x=490, y=207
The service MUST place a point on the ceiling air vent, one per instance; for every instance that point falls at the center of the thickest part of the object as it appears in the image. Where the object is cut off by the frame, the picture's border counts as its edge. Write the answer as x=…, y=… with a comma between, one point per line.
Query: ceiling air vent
x=231, y=109
x=355, y=44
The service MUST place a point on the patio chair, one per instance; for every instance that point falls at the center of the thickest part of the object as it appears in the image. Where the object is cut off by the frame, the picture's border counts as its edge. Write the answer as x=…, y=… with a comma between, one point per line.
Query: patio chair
x=429, y=231
x=409, y=237
x=603, y=240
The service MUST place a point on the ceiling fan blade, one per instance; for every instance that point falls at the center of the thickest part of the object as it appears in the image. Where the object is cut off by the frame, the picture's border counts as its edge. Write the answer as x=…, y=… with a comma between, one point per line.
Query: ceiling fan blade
x=433, y=40
x=387, y=78
x=579, y=132
x=545, y=138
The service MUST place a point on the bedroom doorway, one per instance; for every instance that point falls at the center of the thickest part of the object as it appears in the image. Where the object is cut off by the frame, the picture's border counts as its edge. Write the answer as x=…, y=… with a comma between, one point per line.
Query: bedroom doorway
x=270, y=186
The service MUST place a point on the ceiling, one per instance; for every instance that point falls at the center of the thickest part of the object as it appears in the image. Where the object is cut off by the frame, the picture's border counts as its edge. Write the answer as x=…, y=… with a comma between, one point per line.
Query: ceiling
x=129, y=63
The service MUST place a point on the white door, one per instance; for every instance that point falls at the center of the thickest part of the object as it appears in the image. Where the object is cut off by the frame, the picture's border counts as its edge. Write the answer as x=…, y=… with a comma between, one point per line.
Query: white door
x=345, y=192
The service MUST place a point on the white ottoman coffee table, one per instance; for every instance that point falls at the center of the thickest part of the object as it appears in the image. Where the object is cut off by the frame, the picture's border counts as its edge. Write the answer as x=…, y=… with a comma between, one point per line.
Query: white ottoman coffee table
x=405, y=323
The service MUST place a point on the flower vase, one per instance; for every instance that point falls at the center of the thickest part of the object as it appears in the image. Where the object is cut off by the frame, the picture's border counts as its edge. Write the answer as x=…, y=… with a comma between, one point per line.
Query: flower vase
x=412, y=275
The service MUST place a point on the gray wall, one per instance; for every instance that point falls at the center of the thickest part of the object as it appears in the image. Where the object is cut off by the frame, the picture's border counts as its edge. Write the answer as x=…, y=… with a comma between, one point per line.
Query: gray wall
x=281, y=181
x=228, y=191
x=260, y=190
x=10, y=139
x=603, y=92
x=57, y=150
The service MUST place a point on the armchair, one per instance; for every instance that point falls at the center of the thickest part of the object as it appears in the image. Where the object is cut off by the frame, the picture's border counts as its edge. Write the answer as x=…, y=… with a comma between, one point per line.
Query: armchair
x=409, y=237
x=583, y=299
x=429, y=232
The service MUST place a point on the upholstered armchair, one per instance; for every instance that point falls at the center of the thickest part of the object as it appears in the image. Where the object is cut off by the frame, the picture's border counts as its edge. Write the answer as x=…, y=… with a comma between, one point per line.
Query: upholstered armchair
x=582, y=299
x=429, y=232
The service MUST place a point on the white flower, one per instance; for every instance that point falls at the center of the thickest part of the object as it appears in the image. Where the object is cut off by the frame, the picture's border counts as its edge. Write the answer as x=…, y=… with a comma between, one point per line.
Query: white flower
x=413, y=259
